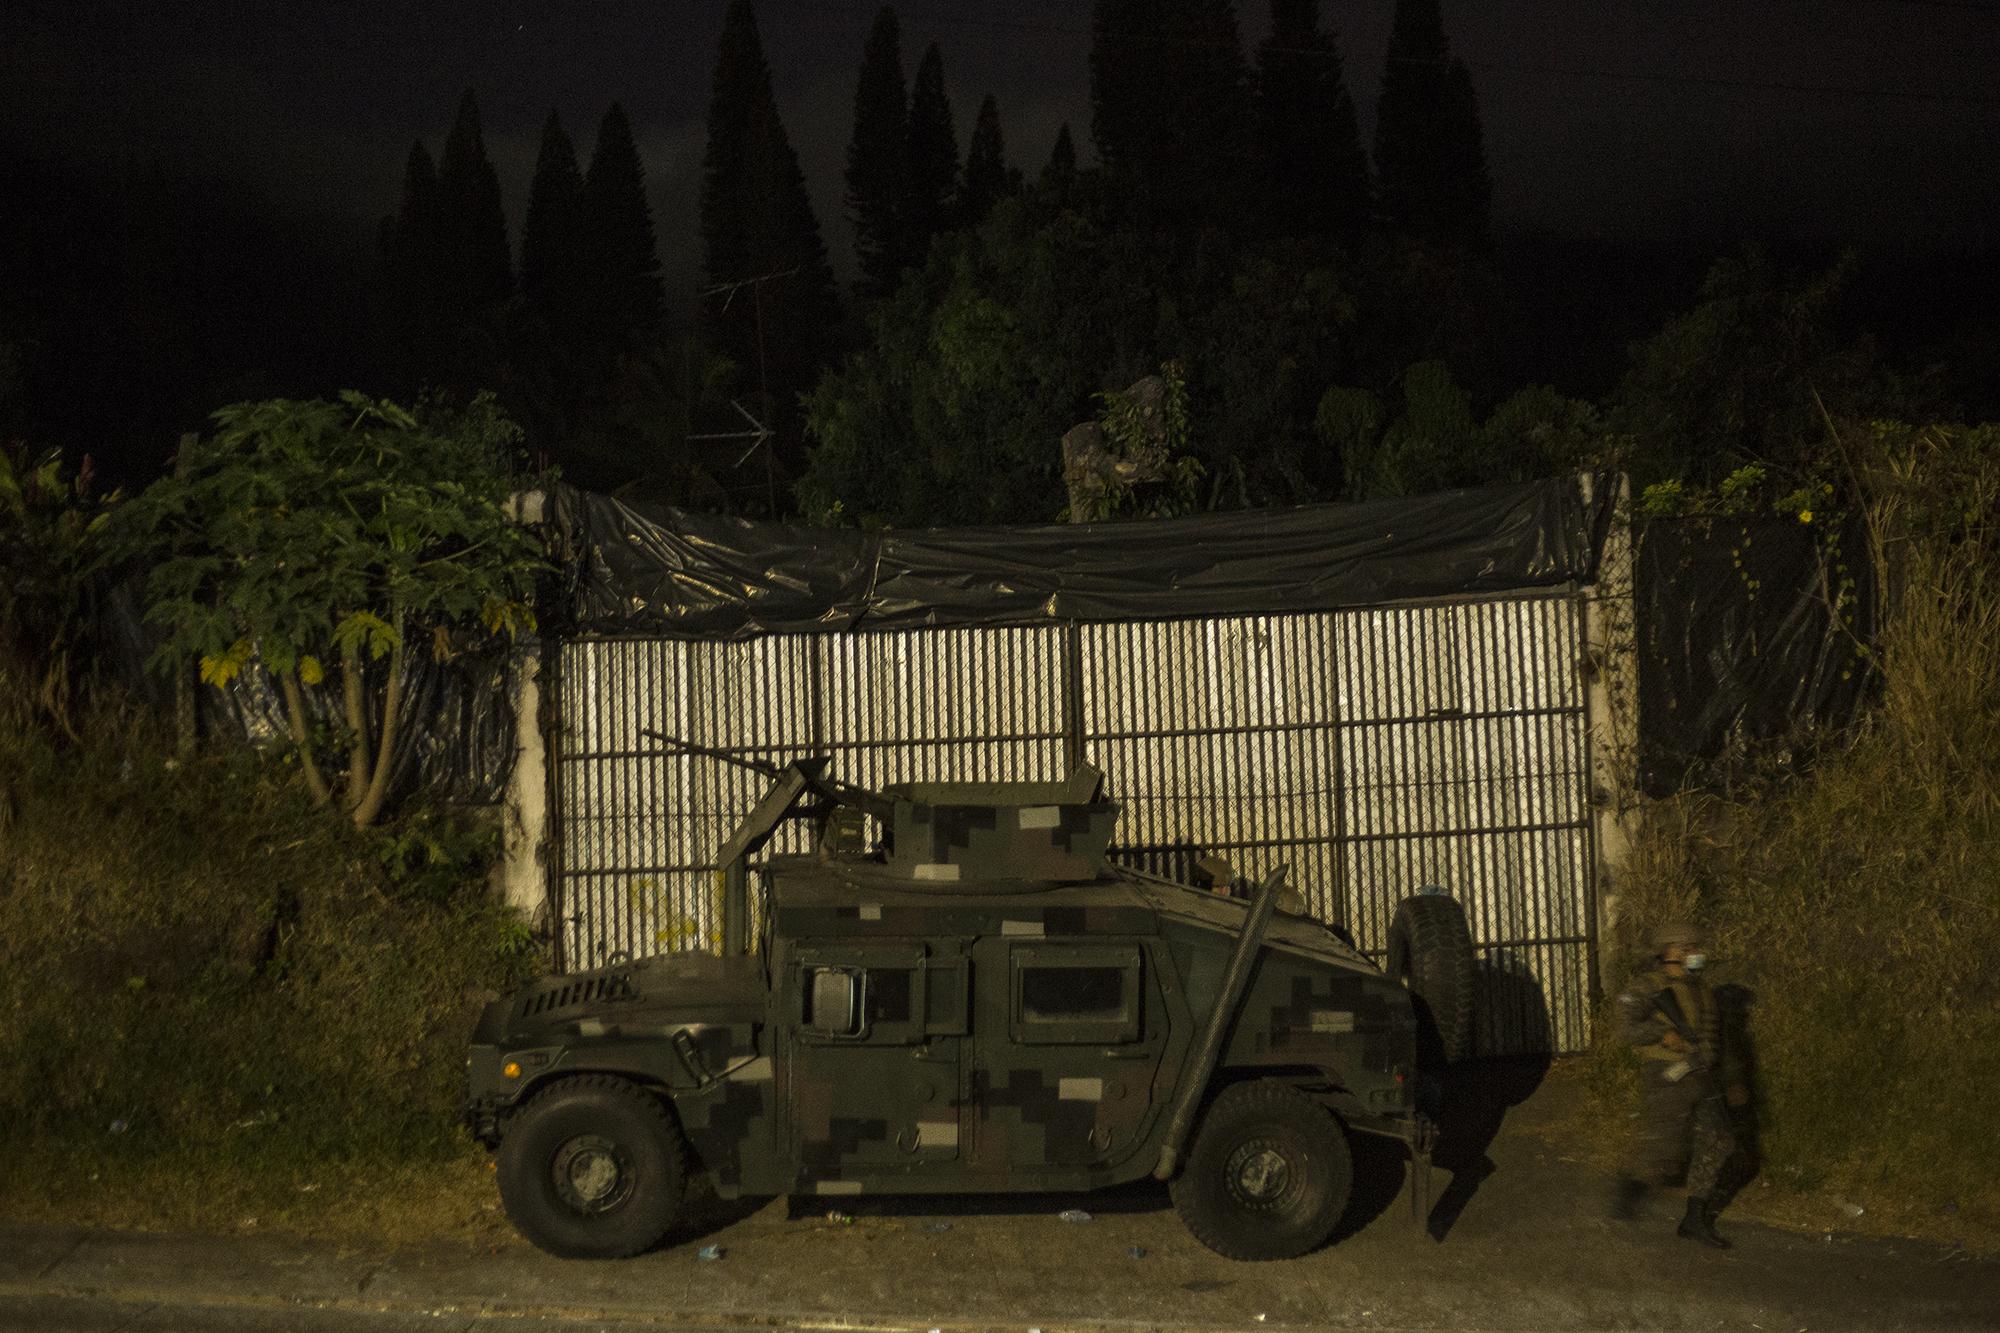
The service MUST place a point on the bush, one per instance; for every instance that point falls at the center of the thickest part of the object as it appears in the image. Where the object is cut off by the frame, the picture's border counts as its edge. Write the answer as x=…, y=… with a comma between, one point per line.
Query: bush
x=199, y=972
x=1861, y=902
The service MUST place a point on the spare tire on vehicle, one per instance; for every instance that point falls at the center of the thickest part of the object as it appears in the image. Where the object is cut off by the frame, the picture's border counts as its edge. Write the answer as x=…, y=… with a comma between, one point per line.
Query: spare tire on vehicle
x=1430, y=951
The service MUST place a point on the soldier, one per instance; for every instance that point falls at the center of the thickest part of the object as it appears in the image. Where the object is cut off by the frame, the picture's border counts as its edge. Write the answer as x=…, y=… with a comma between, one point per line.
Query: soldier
x=1691, y=1083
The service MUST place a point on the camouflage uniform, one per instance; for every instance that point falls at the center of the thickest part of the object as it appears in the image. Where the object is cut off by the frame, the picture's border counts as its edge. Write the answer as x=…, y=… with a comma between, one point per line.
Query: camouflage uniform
x=1684, y=1126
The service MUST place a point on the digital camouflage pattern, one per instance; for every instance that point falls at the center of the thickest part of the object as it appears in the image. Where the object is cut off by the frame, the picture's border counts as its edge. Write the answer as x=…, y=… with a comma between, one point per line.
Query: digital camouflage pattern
x=1686, y=1128
x=984, y=1004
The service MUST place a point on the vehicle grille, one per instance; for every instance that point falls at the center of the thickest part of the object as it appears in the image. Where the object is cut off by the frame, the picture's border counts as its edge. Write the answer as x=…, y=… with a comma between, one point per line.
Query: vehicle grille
x=570, y=992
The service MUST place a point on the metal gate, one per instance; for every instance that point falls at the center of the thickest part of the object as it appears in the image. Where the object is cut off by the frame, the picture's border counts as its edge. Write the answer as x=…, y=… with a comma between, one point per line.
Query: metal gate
x=1375, y=750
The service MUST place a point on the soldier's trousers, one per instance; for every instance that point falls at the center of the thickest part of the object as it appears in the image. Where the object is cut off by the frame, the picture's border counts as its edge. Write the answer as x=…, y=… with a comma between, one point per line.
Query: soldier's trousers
x=1684, y=1128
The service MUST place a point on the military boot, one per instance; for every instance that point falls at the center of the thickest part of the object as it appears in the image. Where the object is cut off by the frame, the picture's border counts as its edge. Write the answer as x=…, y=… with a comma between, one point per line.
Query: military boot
x=1626, y=1196
x=1699, y=1224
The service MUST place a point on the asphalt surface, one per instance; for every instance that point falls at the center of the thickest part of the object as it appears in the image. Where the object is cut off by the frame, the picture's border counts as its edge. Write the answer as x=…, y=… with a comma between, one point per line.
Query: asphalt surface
x=1518, y=1239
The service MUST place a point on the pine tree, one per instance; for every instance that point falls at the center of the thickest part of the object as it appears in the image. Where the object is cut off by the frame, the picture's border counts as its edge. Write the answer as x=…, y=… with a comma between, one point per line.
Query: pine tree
x=878, y=161
x=933, y=178
x=987, y=177
x=552, y=233
x=1170, y=106
x=1308, y=147
x=475, y=273
x=619, y=246
x=1059, y=173
x=1430, y=159
x=410, y=249
x=757, y=223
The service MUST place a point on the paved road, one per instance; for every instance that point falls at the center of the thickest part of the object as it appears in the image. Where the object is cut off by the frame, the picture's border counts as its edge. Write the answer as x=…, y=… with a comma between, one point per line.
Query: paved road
x=1524, y=1245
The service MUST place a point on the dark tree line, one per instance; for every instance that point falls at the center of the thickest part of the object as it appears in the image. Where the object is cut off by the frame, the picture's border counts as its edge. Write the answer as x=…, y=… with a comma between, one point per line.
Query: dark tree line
x=587, y=301
x=1198, y=137
x=1333, y=336
x=1208, y=164
x=1308, y=147
x=1430, y=157
x=905, y=184
x=1343, y=320
x=771, y=316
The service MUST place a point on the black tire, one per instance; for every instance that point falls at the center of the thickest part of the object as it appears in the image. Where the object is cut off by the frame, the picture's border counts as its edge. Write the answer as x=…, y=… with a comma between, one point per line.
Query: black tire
x=593, y=1167
x=1430, y=951
x=1269, y=1175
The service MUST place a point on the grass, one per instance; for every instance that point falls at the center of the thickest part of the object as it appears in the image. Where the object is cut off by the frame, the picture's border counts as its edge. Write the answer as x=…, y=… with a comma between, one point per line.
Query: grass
x=1586, y=1115
x=1861, y=901
x=217, y=1002
x=376, y=1200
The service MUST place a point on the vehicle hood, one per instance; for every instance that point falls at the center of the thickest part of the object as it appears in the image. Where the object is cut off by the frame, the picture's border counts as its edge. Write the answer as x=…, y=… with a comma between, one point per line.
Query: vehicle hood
x=1297, y=934
x=654, y=994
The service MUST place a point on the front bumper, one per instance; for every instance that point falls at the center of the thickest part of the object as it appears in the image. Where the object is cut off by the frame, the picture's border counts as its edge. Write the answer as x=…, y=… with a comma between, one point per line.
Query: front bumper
x=485, y=1096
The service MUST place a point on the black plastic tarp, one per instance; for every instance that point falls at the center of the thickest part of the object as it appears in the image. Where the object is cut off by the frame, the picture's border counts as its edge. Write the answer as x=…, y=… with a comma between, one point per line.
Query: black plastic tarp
x=662, y=571
x=1739, y=651
x=455, y=742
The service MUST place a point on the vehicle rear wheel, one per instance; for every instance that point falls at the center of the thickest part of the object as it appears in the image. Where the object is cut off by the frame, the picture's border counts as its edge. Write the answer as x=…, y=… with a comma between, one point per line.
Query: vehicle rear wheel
x=1269, y=1175
x=1430, y=951
x=593, y=1167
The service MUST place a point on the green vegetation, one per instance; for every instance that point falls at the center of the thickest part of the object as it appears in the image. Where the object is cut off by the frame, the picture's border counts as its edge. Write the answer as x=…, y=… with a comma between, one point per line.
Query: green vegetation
x=218, y=997
x=50, y=520
x=302, y=534
x=212, y=995
x=1861, y=901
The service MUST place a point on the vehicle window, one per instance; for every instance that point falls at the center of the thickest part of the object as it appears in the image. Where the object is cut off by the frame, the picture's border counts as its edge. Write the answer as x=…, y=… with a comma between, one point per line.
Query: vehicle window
x=876, y=995
x=1072, y=992
x=944, y=996
x=1076, y=993
x=888, y=994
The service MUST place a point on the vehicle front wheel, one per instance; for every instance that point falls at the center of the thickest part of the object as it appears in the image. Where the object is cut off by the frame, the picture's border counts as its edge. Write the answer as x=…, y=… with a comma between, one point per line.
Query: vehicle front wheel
x=593, y=1168
x=1269, y=1175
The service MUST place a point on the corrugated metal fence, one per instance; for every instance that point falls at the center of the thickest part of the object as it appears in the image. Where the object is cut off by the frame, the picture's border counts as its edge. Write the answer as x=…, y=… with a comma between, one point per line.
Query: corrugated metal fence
x=1375, y=750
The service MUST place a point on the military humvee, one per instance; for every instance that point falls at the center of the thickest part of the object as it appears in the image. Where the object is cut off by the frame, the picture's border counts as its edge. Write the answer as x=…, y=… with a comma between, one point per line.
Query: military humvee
x=981, y=1002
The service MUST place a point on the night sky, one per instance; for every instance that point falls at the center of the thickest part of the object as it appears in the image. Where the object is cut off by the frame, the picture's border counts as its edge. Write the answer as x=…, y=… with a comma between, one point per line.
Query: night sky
x=1875, y=121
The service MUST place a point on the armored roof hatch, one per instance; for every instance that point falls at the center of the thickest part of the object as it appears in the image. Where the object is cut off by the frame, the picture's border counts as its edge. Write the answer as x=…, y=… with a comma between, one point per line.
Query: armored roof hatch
x=946, y=832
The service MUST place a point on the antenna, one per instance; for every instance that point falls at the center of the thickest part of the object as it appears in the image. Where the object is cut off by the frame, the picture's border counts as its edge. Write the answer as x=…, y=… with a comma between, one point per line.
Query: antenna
x=727, y=291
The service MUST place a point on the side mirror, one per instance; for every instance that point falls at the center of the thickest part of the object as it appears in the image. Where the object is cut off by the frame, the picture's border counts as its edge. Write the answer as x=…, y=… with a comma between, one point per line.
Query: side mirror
x=834, y=1002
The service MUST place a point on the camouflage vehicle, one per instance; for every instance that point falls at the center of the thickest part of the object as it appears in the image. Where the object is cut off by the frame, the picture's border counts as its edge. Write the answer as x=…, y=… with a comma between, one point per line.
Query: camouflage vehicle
x=980, y=1003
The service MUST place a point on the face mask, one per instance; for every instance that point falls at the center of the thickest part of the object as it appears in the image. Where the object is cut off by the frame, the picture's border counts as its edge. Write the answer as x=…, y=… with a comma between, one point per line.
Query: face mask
x=1694, y=962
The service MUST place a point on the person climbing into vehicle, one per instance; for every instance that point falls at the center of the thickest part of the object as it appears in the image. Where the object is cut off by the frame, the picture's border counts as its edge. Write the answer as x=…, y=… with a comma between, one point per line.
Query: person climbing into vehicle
x=1693, y=1085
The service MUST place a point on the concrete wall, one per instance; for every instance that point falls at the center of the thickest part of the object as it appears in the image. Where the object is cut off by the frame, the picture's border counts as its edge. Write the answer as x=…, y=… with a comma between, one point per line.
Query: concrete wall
x=521, y=877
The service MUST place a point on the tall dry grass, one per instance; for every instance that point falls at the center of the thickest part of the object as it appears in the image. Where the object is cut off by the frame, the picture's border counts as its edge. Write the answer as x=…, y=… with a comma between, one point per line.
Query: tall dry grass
x=1861, y=901
x=211, y=992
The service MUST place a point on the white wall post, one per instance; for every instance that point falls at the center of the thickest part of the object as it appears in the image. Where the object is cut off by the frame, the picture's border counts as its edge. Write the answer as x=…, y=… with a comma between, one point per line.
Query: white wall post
x=1611, y=676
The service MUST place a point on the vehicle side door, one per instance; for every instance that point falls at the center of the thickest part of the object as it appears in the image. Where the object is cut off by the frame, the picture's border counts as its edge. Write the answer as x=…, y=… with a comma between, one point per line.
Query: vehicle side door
x=871, y=1071
x=1071, y=1033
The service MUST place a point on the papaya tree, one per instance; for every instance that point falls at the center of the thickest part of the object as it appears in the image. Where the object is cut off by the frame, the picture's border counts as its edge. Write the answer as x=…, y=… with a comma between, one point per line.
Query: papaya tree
x=318, y=539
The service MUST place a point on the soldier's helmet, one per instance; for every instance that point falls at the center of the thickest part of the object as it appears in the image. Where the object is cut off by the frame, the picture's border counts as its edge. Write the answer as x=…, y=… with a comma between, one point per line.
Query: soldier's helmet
x=1675, y=932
